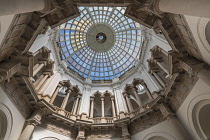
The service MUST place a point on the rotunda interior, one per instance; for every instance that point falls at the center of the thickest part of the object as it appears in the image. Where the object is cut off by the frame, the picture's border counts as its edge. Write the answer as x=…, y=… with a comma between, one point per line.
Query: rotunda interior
x=104, y=70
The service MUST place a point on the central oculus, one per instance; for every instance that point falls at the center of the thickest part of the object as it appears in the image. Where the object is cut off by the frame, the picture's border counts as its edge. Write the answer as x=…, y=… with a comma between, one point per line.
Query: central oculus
x=100, y=37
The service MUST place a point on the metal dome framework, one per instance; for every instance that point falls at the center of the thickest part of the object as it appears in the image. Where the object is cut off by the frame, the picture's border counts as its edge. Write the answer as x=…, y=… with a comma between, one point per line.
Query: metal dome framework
x=115, y=46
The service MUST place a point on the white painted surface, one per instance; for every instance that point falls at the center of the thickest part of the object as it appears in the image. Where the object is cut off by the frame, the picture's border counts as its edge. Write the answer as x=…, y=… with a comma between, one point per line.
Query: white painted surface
x=5, y=22
x=197, y=28
x=17, y=119
x=169, y=129
x=201, y=88
x=186, y=7
x=9, y=7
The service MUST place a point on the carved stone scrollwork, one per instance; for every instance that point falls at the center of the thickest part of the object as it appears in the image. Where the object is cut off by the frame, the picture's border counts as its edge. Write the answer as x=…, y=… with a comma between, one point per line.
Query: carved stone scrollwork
x=125, y=133
x=166, y=111
x=81, y=134
x=61, y=11
x=8, y=69
x=143, y=12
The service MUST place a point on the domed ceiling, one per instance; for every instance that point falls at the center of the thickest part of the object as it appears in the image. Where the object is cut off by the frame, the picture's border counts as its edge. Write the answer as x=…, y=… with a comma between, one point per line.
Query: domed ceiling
x=101, y=43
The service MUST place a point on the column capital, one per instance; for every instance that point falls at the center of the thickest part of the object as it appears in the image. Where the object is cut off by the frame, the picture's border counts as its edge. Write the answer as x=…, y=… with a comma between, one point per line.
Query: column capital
x=36, y=117
x=92, y=98
x=125, y=94
x=68, y=90
x=102, y=98
x=59, y=85
x=112, y=97
x=78, y=95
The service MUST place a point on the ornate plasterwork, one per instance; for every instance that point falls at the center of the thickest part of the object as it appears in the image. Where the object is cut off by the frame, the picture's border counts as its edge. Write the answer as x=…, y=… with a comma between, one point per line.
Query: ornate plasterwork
x=58, y=127
x=145, y=122
x=173, y=26
x=106, y=133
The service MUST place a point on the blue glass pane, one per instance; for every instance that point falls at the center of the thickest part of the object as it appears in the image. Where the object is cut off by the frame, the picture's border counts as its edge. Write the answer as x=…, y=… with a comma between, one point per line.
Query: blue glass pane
x=100, y=65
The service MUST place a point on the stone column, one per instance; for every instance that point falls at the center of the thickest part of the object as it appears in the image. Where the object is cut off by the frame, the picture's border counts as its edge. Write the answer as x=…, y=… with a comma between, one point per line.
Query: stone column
x=198, y=8
x=102, y=106
x=137, y=97
x=113, y=107
x=76, y=104
x=72, y=110
x=9, y=7
x=162, y=67
x=120, y=100
x=130, y=107
x=38, y=80
x=32, y=122
x=81, y=134
x=147, y=91
x=162, y=83
x=79, y=105
x=91, y=106
x=125, y=133
x=164, y=52
x=37, y=68
x=55, y=93
x=65, y=101
x=42, y=81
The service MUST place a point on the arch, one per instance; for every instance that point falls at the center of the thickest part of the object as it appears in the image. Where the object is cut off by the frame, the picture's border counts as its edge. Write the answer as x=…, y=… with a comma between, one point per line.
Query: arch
x=76, y=88
x=163, y=135
x=107, y=93
x=202, y=25
x=158, y=138
x=193, y=111
x=6, y=120
x=97, y=93
x=49, y=138
x=137, y=81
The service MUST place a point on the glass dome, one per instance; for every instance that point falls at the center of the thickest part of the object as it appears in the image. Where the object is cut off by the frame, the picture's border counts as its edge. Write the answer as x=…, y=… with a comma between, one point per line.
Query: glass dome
x=101, y=43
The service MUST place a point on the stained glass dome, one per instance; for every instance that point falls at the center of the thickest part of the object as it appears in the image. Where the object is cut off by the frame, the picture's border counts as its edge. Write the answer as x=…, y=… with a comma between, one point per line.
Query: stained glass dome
x=101, y=43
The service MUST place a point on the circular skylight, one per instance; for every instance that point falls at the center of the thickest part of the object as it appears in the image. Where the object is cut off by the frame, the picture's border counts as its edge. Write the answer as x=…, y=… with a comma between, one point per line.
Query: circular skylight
x=101, y=43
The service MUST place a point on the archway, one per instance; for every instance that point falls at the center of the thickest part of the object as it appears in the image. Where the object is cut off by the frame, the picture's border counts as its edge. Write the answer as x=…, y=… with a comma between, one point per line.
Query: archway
x=5, y=122
x=3, y=125
x=49, y=138
x=207, y=32
x=198, y=110
x=204, y=115
x=157, y=138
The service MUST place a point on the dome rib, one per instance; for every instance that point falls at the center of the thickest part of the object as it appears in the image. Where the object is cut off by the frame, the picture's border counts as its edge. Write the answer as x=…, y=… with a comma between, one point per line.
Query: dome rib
x=101, y=43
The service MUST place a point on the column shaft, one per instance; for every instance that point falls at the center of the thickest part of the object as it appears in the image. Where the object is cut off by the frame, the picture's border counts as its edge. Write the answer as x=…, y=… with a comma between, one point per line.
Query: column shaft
x=91, y=108
x=38, y=80
x=159, y=79
x=113, y=107
x=72, y=110
x=55, y=94
x=148, y=92
x=26, y=134
x=130, y=107
x=137, y=98
x=79, y=104
x=163, y=67
x=102, y=107
x=37, y=68
x=65, y=101
x=76, y=105
x=43, y=80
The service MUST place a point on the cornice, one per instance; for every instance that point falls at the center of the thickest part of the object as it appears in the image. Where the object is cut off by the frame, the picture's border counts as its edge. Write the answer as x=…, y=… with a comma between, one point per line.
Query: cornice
x=64, y=70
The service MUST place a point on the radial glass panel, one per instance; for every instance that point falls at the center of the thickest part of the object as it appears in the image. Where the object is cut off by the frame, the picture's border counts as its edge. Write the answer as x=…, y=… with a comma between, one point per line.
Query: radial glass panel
x=101, y=43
